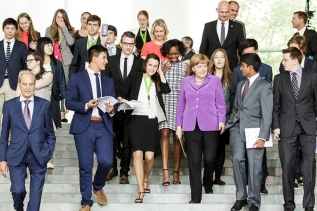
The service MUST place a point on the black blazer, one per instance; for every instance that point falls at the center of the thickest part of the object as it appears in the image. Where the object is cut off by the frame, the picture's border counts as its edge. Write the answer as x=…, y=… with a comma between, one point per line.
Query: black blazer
x=210, y=41
x=286, y=107
x=309, y=65
x=15, y=64
x=132, y=88
x=80, y=56
x=114, y=72
x=188, y=56
x=311, y=39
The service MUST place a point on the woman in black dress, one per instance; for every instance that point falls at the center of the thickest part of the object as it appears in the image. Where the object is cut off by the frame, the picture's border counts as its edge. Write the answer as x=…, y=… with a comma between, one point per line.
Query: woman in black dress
x=146, y=87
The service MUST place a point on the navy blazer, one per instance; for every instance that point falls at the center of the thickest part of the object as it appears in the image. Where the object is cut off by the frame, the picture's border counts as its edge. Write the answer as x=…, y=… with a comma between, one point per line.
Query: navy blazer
x=15, y=64
x=40, y=136
x=265, y=72
x=80, y=55
x=79, y=92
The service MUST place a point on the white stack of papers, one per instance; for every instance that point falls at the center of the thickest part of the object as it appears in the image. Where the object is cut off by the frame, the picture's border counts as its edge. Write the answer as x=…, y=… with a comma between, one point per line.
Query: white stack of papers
x=252, y=135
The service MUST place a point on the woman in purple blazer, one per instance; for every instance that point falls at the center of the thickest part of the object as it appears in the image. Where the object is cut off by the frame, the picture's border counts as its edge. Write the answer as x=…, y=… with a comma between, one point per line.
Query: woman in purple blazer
x=201, y=114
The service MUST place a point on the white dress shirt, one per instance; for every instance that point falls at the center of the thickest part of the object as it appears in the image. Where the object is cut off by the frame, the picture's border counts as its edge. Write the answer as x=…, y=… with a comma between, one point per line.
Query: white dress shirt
x=31, y=105
x=219, y=28
x=129, y=63
x=11, y=45
x=301, y=32
x=113, y=49
x=92, y=78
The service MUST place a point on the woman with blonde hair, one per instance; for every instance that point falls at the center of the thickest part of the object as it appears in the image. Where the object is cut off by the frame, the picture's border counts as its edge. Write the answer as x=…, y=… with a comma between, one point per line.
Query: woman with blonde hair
x=219, y=66
x=26, y=32
x=159, y=32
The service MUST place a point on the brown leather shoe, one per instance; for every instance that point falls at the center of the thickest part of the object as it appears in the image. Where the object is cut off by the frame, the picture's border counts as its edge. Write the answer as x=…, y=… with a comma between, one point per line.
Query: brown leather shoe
x=101, y=197
x=124, y=180
x=112, y=173
x=85, y=208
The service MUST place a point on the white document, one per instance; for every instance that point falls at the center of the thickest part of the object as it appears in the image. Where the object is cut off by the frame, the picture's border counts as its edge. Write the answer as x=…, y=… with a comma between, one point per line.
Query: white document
x=129, y=105
x=106, y=99
x=252, y=135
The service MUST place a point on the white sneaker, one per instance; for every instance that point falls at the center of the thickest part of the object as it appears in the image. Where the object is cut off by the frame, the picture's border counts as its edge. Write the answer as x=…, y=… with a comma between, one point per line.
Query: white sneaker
x=50, y=165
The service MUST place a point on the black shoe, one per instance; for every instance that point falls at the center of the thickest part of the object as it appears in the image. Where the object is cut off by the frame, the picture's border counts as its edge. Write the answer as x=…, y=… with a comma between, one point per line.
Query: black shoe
x=300, y=182
x=195, y=201
x=254, y=208
x=263, y=189
x=309, y=209
x=219, y=182
x=209, y=191
x=239, y=204
x=295, y=185
x=64, y=120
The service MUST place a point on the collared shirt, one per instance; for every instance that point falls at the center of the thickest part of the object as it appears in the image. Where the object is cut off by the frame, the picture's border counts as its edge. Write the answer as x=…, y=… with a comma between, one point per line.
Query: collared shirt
x=89, y=38
x=301, y=32
x=11, y=45
x=251, y=79
x=31, y=104
x=219, y=28
x=113, y=50
x=92, y=78
x=299, y=73
x=129, y=63
x=303, y=62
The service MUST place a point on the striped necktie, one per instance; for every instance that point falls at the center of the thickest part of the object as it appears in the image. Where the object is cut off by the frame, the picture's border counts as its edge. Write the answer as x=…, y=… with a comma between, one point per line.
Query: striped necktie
x=8, y=53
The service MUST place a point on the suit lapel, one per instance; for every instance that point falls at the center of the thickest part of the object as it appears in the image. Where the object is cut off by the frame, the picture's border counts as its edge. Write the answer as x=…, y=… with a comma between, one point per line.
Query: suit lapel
x=254, y=84
x=230, y=29
x=18, y=108
x=15, y=46
x=288, y=83
x=87, y=80
x=134, y=64
x=36, y=108
x=117, y=64
x=192, y=82
x=303, y=85
x=2, y=53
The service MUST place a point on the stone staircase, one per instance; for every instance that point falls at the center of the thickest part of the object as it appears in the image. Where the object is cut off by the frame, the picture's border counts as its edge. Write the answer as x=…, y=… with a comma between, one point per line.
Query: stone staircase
x=61, y=189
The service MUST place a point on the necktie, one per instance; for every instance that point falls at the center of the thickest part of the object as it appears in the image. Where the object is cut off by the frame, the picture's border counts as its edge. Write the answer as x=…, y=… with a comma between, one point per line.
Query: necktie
x=295, y=85
x=125, y=68
x=8, y=53
x=110, y=50
x=245, y=89
x=26, y=113
x=98, y=91
x=91, y=41
x=222, y=34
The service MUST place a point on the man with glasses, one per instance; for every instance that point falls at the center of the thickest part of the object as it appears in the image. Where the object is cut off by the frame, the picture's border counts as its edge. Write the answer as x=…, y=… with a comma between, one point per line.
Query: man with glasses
x=13, y=54
x=118, y=68
x=294, y=124
x=81, y=46
x=265, y=71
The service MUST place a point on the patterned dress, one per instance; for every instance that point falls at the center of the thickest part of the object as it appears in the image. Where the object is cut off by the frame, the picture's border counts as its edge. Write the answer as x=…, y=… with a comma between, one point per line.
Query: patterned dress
x=174, y=76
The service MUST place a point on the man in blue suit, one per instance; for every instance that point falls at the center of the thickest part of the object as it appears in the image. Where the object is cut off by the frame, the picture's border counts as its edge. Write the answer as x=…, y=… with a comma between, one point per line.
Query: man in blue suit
x=265, y=71
x=13, y=54
x=31, y=144
x=92, y=128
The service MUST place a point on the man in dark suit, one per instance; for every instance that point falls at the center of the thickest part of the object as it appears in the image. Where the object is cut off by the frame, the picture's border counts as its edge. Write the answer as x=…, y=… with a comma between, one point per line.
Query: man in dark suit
x=27, y=120
x=118, y=68
x=222, y=33
x=188, y=42
x=91, y=127
x=294, y=124
x=80, y=57
x=234, y=11
x=252, y=108
x=299, y=22
x=110, y=41
x=13, y=54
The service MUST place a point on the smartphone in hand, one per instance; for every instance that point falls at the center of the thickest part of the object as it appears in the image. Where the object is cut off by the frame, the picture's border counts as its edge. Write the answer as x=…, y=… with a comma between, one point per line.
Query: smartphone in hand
x=104, y=29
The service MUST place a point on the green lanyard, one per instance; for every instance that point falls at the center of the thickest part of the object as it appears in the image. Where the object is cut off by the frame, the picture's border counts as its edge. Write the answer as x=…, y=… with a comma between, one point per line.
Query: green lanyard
x=147, y=87
x=143, y=36
x=94, y=43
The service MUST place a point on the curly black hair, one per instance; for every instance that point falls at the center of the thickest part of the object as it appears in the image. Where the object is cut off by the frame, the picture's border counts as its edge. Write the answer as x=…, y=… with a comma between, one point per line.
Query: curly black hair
x=172, y=43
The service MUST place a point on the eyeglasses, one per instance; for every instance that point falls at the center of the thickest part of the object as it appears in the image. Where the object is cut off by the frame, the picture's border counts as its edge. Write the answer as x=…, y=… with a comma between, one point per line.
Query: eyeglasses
x=285, y=60
x=29, y=60
x=128, y=44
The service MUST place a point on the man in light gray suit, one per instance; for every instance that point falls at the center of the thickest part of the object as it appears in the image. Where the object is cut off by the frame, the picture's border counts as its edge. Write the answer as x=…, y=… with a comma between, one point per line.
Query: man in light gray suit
x=252, y=108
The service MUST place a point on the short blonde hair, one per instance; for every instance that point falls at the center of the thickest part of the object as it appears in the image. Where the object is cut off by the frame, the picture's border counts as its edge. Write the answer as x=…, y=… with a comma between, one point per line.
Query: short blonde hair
x=161, y=23
x=27, y=72
x=197, y=59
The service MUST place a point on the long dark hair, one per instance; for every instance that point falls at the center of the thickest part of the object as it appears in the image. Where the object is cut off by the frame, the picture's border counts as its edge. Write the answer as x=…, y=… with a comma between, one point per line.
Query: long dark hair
x=38, y=57
x=41, y=42
x=155, y=77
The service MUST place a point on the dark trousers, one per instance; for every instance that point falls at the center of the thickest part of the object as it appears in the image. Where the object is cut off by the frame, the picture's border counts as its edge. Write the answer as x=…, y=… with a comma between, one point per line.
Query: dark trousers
x=288, y=150
x=17, y=177
x=95, y=139
x=200, y=143
x=126, y=147
x=118, y=135
x=221, y=154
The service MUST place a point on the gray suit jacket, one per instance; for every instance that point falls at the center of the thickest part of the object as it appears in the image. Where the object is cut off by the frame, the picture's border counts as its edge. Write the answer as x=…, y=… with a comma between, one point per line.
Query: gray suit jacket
x=67, y=41
x=256, y=109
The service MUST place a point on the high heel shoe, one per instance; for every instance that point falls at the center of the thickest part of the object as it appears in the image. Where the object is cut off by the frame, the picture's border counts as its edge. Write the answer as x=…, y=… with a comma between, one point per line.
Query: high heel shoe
x=166, y=183
x=176, y=182
x=146, y=189
x=139, y=199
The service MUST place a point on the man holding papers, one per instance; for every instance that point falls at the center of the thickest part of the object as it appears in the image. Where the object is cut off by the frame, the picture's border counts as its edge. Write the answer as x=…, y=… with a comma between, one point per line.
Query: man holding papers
x=91, y=127
x=252, y=108
x=294, y=124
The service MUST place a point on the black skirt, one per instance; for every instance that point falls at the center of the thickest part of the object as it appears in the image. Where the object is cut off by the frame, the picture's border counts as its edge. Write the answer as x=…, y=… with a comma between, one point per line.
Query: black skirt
x=143, y=133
